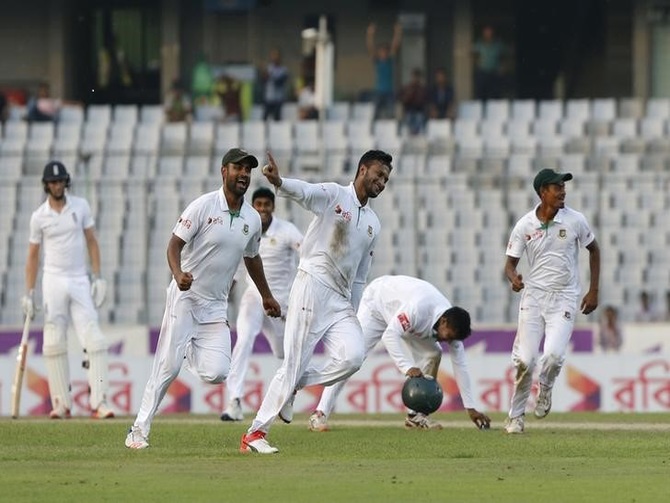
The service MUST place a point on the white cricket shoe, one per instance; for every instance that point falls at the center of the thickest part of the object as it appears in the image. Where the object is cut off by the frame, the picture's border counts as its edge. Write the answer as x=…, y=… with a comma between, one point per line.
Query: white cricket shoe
x=102, y=412
x=136, y=439
x=286, y=412
x=543, y=403
x=318, y=421
x=233, y=412
x=514, y=425
x=421, y=421
x=255, y=442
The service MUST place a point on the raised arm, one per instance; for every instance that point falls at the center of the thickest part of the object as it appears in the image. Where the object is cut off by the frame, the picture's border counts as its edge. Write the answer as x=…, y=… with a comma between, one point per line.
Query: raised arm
x=370, y=39
x=397, y=38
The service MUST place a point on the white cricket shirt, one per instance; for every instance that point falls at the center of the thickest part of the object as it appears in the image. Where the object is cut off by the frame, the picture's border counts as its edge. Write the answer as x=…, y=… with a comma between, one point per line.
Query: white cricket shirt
x=61, y=235
x=410, y=307
x=279, y=250
x=552, y=251
x=216, y=240
x=338, y=244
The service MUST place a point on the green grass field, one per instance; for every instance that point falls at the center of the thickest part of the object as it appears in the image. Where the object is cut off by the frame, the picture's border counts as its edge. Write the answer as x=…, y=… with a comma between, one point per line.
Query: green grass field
x=565, y=458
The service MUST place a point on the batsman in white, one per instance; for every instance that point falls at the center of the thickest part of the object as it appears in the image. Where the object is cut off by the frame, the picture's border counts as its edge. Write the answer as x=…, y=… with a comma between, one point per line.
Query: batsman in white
x=209, y=240
x=334, y=264
x=411, y=317
x=280, y=246
x=63, y=226
x=550, y=235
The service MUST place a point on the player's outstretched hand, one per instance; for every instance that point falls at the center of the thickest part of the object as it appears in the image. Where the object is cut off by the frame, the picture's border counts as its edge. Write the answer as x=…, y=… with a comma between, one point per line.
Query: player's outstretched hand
x=271, y=171
x=271, y=307
x=414, y=372
x=482, y=421
x=184, y=281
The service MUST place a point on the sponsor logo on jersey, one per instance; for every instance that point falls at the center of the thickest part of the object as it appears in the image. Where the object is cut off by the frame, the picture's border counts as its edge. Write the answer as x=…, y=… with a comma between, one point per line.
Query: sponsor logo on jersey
x=185, y=222
x=370, y=230
x=562, y=234
x=567, y=315
x=346, y=215
x=245, y=229
x=404, y=321
x=215, y=220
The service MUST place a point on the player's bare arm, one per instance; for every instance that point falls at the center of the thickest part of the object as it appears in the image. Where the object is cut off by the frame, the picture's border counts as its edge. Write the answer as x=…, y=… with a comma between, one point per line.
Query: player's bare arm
x=590, y=300
x=93, y=250
x=183, y=279
x=271, y=171
x=255, y=267
x=32, y=264
x=512, y=275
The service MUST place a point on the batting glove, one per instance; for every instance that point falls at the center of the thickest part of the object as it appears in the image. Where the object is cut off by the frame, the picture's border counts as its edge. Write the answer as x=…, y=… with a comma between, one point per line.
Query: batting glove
x=28, y=304
x=98, y=291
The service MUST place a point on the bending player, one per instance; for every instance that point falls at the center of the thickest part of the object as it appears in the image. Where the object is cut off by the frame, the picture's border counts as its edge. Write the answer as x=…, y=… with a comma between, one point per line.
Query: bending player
x=279, y=249
x=411, y=317
x=65, y=228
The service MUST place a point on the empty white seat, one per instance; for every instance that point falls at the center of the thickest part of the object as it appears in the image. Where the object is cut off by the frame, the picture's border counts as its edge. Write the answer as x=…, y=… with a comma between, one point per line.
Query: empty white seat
x=339, y=111
x=173, y=138
x=523, y=110
x=550, y=110
x=226, y=137
x=280, y=136
x=471, y=110
x=200, y=138
x=496, y=110
x=101, y=114
x=658, y=108
x=71, y=114
x=152, y=114
x=363, y=111
x=125, y=114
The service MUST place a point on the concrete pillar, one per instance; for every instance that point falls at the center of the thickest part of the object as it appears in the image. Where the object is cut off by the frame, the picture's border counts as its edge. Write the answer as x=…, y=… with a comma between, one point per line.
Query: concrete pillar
x=641, y=51
x=170, y=48
x=462, y=28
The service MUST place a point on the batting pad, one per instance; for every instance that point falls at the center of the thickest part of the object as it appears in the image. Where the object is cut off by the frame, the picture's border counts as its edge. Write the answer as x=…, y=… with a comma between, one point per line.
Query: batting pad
x=98, y=378
x=58, y=372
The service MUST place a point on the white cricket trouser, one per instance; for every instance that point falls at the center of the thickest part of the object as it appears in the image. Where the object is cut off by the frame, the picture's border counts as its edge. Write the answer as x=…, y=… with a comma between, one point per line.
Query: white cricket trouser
x=205, y=346
x=252, y=320
x=315, y=313
x=68, y=299
x=548, y=314
x=427, y=352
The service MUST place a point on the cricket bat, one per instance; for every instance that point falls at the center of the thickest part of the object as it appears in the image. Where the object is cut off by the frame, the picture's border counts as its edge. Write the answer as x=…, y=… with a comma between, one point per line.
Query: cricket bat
x=20, y=369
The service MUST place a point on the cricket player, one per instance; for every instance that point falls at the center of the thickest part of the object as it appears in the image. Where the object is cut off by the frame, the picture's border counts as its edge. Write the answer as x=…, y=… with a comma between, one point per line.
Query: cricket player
x=279, y=250
x=411, y=317
x=550, y=235
x=208, y=242
x=63, y=226
x=334, y=264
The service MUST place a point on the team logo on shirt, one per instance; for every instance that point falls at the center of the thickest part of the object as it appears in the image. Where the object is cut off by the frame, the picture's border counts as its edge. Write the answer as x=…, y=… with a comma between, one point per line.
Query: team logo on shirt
x=245, y=229
x=562, y=234
x=567, y=315
x=346, y=215
x=185, y=222
x=404, y=321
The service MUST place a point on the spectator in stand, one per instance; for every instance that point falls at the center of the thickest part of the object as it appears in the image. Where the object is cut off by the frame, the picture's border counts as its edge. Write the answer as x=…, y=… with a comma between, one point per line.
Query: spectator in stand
x=276, y=79
x=178, y=106
x=42, y=107
x=383, y=58
x=645, y=312
x=489, y=55
x=307, y=102
x=441, y=97
x=228, y=90
x=414, y=99
x=610, y=337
